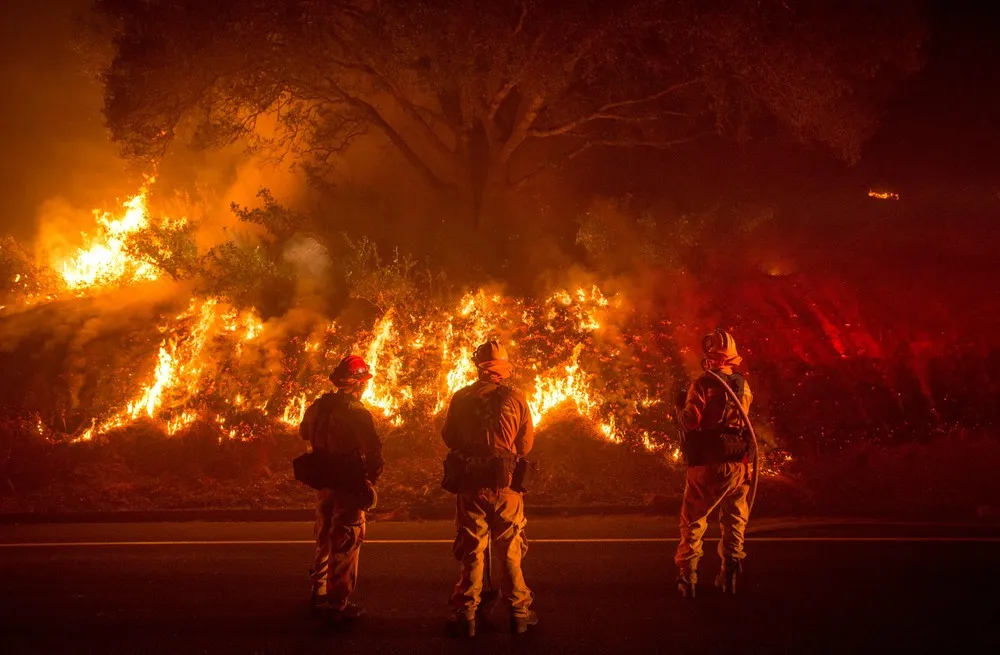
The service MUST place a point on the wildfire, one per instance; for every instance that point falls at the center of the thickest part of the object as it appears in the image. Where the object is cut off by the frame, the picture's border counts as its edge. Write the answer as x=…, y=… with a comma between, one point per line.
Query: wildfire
x=174, y=394
x=105, y=258
x=883, y=195
x=180, y=364
x=208, y=370
x=566, y=385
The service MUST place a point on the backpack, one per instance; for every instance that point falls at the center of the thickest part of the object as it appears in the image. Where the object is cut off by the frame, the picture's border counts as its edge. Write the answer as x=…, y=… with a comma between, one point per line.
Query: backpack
x=718, y=445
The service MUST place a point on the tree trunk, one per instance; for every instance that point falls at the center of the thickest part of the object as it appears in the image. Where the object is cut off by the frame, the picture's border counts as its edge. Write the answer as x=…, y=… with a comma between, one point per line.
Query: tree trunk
x=480, y=168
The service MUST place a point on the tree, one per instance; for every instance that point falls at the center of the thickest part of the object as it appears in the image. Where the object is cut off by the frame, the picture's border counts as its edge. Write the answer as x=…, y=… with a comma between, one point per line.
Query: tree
x=479, y=96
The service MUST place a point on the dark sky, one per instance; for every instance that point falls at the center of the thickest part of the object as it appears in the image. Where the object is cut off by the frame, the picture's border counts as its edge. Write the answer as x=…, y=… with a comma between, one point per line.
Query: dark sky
x=943, y=123
x=940, y=128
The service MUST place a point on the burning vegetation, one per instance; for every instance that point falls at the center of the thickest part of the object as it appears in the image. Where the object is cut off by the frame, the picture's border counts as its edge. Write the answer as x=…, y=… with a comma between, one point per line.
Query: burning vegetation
x=207, y=367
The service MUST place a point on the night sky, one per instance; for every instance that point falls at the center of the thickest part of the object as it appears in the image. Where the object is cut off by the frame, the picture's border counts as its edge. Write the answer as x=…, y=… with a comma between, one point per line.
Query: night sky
x=939, y=130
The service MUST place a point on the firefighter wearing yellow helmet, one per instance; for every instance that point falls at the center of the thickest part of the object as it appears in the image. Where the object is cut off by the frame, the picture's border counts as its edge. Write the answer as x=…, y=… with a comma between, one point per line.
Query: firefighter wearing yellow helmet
x=339, y=426
x=716, y=451
x=488, y=431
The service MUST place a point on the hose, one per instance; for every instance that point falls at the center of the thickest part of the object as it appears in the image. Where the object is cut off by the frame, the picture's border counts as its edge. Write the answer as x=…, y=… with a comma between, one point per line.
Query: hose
x=755, y=475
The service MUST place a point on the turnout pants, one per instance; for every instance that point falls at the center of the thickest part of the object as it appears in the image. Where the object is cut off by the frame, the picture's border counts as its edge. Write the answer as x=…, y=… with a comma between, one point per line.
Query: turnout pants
x=480, y=513
x=339, y=532
x=723, y=486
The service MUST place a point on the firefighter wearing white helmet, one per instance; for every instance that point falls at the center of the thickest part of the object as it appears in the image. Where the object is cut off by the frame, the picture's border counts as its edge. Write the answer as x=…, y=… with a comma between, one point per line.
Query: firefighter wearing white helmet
x=488, y=431
x=338, y=424
x=716, y=451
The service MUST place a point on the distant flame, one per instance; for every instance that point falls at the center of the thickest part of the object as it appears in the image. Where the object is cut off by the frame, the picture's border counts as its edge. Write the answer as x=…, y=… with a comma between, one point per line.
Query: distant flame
x=883, y=195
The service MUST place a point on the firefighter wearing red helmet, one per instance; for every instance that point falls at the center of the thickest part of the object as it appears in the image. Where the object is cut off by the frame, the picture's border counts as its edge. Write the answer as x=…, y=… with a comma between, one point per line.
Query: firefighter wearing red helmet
x=716, y=451
x=338, y=424
x=488, y=431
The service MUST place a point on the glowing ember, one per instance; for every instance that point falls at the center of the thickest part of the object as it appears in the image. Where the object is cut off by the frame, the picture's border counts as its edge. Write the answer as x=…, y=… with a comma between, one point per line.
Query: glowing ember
x=883, y=195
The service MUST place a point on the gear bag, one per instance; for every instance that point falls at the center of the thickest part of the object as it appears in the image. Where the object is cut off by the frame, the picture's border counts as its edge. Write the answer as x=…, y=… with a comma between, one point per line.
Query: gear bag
x=702, y=447
x=718, y=445
x=322, y=470
x=524, y=474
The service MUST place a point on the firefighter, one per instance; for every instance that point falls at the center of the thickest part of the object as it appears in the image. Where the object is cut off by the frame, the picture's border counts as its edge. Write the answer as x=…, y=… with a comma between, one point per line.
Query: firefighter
x=488, y=428
x=339, y=424
x=716, y=451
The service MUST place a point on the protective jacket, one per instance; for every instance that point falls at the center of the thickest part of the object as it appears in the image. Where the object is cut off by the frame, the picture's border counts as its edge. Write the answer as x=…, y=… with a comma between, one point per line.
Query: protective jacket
x=485, y=418
x=339, y=424
x=706, y=407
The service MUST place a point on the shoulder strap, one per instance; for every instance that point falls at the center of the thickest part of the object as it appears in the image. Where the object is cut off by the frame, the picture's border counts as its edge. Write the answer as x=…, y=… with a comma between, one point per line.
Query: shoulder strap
x=735, y=381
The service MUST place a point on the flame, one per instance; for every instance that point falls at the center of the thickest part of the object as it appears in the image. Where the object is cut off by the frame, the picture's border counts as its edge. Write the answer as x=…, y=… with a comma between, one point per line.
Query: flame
x=294, y=411
x=172, y=391
x=419, y=356
x=467, y=327
x=385, y=390
x=567, y=384
x=163, y=378
x=178, y=371
x=104, y=259
x=180, y=422
x=883, y=195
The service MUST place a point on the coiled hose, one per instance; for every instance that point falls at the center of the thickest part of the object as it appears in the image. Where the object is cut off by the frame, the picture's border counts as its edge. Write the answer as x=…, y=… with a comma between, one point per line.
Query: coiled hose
x=755, y=474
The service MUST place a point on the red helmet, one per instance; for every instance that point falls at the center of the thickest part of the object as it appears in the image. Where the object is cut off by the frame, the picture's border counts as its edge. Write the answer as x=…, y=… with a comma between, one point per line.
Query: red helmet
x=351, y=370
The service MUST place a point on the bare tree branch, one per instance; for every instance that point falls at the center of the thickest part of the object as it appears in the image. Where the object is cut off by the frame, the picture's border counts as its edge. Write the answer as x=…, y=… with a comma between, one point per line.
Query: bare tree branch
x=415, y=111
x=521, y=128
x=572, y=125
x=405, y=149
x=635, y=143
x=498, y=99
x=520, y=19
x=603, y=112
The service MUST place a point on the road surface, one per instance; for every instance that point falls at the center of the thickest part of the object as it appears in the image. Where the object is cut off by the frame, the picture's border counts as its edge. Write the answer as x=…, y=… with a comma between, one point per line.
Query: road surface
x=602, y=585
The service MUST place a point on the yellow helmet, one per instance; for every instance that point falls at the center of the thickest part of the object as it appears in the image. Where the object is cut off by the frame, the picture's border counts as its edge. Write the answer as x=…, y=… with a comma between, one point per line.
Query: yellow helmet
x=720, y=348
x=491, y=351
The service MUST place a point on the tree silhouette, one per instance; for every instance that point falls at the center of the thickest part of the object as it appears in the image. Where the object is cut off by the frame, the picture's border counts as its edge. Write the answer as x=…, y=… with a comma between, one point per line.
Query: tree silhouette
x=480, y=96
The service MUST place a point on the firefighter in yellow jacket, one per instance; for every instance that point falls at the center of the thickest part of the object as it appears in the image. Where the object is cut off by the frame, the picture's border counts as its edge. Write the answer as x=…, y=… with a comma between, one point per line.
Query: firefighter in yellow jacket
x=488, y=426
x=339, y=424
x=718, y=466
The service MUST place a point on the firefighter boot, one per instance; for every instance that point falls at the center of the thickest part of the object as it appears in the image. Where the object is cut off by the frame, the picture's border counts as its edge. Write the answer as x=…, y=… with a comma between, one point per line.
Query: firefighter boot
x=319, y=605
x=687, y=583
x=462, y=627
x=350, y=613
x=520, y=624
x=726, y=580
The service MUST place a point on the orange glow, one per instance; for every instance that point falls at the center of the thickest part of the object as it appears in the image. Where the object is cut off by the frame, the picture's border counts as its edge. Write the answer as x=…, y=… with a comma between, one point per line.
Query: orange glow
x=883, y=195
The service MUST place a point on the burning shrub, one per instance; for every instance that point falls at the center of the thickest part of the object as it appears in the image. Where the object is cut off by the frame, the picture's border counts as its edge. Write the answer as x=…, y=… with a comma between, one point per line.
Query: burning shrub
x=21, y=279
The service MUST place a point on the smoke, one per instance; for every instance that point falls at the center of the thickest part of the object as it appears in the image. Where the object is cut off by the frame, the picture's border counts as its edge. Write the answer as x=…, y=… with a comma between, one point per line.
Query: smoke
x=72, y=355
x=54, y=141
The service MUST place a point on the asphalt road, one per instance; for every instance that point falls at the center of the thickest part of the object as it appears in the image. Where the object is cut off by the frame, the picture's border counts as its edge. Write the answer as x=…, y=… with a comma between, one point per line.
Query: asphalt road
x=601, y=585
